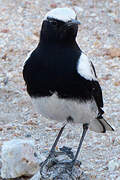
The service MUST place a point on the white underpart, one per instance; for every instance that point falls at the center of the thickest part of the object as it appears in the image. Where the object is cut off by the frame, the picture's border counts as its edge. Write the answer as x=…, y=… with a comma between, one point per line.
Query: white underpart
x=85, y=69
x=54, y=108
x=58, y=109
x=63, y=14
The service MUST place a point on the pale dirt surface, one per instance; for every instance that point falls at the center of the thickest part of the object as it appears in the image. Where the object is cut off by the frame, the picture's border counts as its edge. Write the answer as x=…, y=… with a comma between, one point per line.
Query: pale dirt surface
x=20, y=22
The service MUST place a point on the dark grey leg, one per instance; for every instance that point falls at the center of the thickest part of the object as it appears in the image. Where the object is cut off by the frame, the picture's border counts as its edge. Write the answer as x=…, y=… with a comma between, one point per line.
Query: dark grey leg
x=52, y=151
x=85, y=128
x=56, y=140
x=71, y=164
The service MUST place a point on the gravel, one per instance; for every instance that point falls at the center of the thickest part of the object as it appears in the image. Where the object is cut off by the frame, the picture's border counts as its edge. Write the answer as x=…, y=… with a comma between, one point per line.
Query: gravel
x=20, y=22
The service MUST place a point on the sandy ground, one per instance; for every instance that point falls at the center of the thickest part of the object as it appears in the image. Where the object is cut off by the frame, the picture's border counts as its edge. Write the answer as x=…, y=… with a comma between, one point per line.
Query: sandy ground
x=98, y=37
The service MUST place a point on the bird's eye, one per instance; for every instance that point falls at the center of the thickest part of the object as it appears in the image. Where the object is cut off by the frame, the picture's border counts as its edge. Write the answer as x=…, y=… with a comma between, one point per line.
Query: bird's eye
x=54, y=23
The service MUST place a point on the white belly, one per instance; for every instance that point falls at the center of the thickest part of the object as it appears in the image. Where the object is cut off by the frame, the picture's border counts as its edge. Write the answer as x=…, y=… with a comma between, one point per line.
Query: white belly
x=60, y=109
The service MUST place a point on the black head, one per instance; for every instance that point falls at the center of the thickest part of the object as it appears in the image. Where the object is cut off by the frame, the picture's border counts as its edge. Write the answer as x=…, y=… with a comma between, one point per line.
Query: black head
x=60, y=25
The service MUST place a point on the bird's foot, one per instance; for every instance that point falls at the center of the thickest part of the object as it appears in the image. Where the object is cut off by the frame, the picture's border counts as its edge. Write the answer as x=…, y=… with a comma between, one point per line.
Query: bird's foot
x=69, y=164
x=56, y=159
x=50, y=161
x=68, y=167
x=67, y=151
x=47, y=163
x=54, y=167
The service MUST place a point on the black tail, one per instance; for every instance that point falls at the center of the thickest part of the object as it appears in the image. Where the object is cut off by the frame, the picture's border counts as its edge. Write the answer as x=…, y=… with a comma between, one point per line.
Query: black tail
x=100, y=125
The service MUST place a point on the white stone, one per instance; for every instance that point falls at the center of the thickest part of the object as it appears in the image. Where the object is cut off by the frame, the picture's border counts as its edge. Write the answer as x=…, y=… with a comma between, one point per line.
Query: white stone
x=18, y=158
x=118, y=178
x=93, y=14
x=113, y=164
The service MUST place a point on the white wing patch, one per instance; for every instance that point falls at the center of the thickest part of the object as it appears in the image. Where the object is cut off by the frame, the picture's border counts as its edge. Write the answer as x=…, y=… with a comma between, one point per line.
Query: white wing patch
x=63, y=14
x=85, y=69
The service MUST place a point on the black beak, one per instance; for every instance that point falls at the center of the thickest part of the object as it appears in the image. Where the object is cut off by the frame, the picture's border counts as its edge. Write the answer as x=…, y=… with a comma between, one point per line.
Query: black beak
x=73, y=22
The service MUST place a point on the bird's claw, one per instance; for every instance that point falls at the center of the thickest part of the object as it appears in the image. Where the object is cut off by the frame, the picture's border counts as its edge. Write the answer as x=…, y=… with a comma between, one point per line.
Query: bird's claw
x=67, y=151
x=51, y=160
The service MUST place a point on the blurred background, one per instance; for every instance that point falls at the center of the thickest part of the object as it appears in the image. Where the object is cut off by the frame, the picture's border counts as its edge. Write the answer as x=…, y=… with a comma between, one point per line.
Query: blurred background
x=99, y=38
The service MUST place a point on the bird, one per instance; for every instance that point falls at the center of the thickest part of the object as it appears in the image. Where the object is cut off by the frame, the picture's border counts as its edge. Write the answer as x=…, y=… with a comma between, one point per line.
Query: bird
x=61, y=80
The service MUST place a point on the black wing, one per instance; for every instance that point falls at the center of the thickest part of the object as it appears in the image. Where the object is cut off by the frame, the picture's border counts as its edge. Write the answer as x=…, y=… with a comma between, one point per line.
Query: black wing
x=97, y=92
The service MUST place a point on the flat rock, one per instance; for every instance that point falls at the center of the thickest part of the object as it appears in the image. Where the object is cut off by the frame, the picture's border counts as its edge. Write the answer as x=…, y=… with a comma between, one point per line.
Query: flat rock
x=18, y=159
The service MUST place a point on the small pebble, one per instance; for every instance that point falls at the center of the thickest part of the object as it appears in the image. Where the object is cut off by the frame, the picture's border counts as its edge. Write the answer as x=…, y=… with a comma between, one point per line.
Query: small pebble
x=113, y=165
